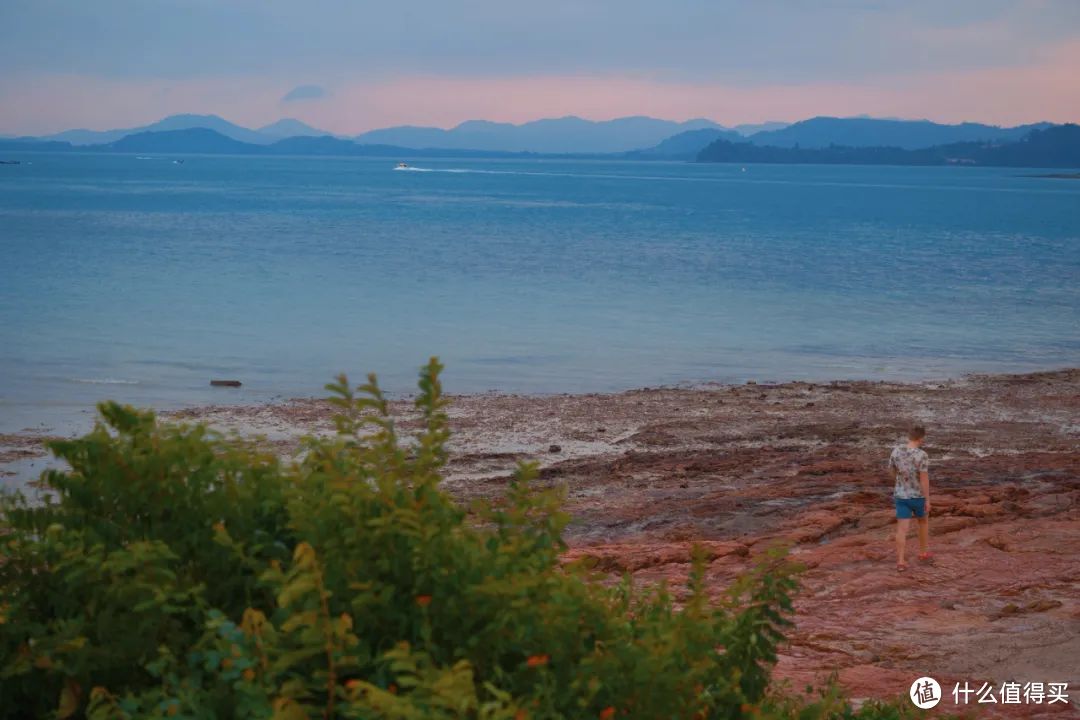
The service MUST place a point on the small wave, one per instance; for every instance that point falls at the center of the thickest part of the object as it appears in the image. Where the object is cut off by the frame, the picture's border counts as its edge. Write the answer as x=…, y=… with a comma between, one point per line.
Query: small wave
x=454, y=170
x=483, y=171
x=104, y=381
x=143, y=157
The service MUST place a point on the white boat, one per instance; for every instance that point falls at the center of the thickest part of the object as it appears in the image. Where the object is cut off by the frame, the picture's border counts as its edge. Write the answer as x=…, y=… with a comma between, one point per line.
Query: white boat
x=402, y=166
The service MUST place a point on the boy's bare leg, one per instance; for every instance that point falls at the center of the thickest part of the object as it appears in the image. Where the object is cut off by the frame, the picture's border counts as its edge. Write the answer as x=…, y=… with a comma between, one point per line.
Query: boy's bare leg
x=901, y=539
x=924, y=535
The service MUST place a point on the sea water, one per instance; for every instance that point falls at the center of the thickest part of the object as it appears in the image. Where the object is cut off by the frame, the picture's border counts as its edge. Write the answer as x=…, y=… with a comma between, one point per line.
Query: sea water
x=141, y=279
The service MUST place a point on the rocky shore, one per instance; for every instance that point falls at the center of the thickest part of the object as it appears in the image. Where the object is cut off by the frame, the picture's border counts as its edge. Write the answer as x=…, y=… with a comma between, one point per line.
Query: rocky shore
x=648, y=473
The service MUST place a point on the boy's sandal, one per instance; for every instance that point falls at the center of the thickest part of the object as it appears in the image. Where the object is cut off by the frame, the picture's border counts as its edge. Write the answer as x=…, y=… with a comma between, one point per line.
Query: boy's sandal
x=926, y=557
x=901, y=567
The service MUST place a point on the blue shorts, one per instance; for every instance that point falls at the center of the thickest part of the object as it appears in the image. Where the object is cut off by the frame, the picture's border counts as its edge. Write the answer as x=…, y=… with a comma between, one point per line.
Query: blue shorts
x=907, y=508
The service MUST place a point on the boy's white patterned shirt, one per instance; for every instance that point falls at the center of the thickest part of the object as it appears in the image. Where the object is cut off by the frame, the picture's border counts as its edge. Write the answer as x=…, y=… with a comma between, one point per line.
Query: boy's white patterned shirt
x=907, y=463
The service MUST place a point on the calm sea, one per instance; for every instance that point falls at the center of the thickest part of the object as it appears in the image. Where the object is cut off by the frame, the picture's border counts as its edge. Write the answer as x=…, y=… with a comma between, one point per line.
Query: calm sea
x=140, y=279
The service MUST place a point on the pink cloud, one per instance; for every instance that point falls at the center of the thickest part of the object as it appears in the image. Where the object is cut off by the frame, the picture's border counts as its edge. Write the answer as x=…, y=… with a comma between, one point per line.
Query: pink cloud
x=1043, y=90
x=1046, y=90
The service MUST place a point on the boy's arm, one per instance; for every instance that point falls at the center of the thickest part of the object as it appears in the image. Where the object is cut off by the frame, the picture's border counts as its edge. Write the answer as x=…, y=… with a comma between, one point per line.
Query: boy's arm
x=924, y=482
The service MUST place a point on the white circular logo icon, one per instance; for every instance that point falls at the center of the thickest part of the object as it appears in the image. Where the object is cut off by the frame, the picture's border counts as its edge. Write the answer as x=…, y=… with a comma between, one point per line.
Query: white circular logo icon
x=925, y=693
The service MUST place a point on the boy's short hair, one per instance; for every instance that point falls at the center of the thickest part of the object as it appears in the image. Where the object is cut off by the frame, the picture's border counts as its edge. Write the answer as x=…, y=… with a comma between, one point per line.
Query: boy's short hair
x=916, y=432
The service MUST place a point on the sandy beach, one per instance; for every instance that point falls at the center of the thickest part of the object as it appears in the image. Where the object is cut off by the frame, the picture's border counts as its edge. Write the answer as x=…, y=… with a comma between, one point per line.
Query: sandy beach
x=649, y=472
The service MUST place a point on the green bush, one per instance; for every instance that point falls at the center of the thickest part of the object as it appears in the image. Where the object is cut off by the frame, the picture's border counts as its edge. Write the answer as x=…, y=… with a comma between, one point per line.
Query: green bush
x=179, y=573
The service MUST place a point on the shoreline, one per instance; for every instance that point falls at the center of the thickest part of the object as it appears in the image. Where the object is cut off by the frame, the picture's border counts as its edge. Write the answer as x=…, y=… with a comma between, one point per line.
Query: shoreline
x=648, y=473
x=282, y=421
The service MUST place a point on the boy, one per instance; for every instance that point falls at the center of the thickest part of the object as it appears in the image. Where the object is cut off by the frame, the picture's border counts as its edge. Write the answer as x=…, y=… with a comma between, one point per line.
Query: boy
x=910, y=467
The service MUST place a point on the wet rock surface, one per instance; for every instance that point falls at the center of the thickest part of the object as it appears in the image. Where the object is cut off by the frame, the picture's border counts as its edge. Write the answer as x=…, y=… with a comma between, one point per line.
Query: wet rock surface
x=18, y=450
x=738, y=469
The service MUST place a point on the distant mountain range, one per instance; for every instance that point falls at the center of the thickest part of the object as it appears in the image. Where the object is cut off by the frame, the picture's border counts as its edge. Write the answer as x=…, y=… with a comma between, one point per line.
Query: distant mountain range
x=685, y=145
x=558, y=135
x=821, y=132
x=820, y=139
x=642, y=136
x=555, y=135
x=289, y=127
x=752, y=128
x=203, y=141
x=173, y=122
x=188, y=140
x=1056, y=146
x=824, y=132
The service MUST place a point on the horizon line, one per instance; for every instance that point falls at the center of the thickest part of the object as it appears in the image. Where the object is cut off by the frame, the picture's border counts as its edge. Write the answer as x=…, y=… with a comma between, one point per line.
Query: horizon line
x=860, y=116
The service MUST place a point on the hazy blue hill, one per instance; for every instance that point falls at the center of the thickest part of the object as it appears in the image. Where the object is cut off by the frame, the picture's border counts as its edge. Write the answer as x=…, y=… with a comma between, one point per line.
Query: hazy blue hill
x=82, y=136
x=1057, y=146
x=209, y=122
x=1053, y=147
x=33, y=145
x=821, y=132
x=313, y=145
x=290, y=127
x=725, y=151
x=576, y=135
x=753, y=128
x=573, y=134
x=188, y=140
x=685, y=145
x=411, y=136
x=478, y=135
x=338, y=146
x=173, y=122
x=206, y=141
x=327, y=145
x=550, y=135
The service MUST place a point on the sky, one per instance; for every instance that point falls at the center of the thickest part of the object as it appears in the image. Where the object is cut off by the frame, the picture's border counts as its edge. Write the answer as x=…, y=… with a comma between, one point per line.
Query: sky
x=347, y=66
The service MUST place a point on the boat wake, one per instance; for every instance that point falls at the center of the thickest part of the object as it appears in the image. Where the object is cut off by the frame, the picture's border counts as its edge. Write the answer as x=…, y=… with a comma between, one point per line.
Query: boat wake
x=104, y=381
x=410, y=168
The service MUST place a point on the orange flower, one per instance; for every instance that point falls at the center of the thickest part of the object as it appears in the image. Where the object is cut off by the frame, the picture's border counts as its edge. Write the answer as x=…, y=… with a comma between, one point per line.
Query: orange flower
x=423, y=600
x=537, y=660
x=352, y=684
x=521, y=715
x=392, y=688
x=607, y=713
x=249, y=674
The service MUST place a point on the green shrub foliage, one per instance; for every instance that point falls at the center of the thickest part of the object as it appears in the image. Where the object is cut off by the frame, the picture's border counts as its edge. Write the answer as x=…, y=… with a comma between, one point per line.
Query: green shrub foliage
x=178, y=573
